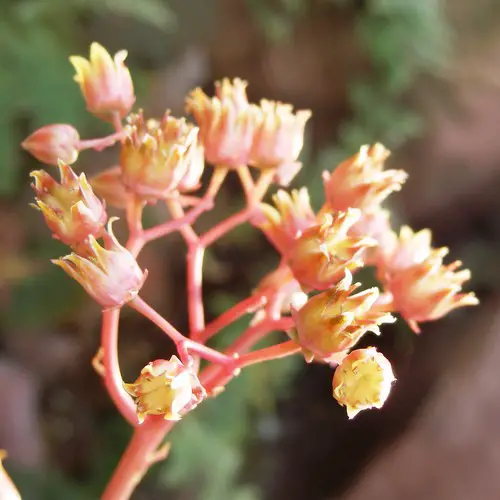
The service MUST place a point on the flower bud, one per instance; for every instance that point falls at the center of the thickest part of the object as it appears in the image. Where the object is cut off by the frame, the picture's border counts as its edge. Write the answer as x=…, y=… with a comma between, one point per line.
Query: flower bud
x=319, y=257
x=108, y=185
x=71, y=209
x=166, y=388
x=429, y=290
x=111, y=275
x=159, y=158
x=334, y=320
x=105, y=82
x=278, y=139
x=292, y=215
x=225, y=121
x=361, y=182
x=362, y=381
x=7, y=489
x=54, y=143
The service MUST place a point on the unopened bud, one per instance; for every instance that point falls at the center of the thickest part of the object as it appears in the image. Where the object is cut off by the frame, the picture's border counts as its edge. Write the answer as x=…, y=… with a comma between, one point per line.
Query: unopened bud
x=166, y=388
x=111, y=275
x=71, y=209
x=54, y=143
x=362, y=381
x=334, y=320
x=105, y=82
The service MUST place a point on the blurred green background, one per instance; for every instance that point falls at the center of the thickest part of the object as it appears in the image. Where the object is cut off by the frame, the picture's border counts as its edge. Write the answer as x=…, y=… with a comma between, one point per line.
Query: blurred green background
x=423, y=78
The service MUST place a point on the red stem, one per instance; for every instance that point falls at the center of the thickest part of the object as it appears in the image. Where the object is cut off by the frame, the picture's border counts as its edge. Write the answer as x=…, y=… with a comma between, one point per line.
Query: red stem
x=138, y=457
x=225, y=226
x=100, y=143
x=246, y=306
x=180, y=340
x=274, y=352
x=112, y=375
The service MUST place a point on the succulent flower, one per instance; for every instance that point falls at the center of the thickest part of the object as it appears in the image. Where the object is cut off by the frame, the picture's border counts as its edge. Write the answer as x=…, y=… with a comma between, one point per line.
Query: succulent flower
x=166, y=388
x=321, y=254
x=226, y=122
x=289, y=218
x=361, y=181
x=159, y=158
x=362, y=381
x=334, y=320
x=105, y=82
x=278, y=139
x=429, y=290
x=111, y=275
x=71, y=209
x=54, y=143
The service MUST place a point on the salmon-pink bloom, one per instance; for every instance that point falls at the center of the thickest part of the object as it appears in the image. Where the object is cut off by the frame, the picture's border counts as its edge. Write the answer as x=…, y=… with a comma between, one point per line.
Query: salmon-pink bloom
x=105, y=82
x=288, y=219
x=319, y=257
x=160, y=158
x=166, y=388
x=111, y=275
x=53, y=143
x=333, y=321
x=71, y=209
x=278, y=139
x=226, y=122
x=109, y=186
x=361, y=181
x=363, y=380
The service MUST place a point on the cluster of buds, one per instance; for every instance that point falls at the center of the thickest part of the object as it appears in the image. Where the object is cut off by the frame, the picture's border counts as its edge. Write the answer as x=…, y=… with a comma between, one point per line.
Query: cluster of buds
x=164, y=159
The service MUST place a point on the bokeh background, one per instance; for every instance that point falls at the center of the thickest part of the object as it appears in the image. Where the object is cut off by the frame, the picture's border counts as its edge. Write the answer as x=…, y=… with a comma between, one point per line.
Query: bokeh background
x=423, y=78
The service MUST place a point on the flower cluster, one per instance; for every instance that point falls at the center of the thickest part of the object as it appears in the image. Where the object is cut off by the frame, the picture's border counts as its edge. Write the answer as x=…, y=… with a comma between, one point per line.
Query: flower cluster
x=311, y=294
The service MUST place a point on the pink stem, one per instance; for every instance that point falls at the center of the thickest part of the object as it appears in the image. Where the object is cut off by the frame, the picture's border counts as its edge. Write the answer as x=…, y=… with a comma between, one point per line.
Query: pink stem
x=180, y=340
x=100, y=143
x=138, y=457
x=196, y=308
x=246, y=306
x=177, y=224
x=112, y=375
x=269, y=353
x=225, y=226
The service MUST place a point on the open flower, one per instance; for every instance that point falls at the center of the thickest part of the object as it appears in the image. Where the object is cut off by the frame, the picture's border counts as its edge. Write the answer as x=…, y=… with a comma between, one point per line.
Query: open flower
x=225, y=121
x=289, y=218
x=111, y=275
x=71, y=209
x=321, y=254
x=108, y=185
x=429, y=290
x=363, y=380
x=54, y=143
x=105, y=82
x=166, y=388
x=278, y=139
x=334, y=320
x=361, y=181
x=159, y=158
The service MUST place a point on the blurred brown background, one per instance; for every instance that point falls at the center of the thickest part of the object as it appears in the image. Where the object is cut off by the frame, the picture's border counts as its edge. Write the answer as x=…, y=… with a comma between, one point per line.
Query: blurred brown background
x=421, y=77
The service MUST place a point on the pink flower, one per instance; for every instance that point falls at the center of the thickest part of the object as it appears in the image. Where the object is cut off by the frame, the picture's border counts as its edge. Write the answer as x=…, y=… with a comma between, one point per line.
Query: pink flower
x=111, y=275
x=71, y=209
x=105, y=82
